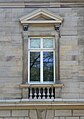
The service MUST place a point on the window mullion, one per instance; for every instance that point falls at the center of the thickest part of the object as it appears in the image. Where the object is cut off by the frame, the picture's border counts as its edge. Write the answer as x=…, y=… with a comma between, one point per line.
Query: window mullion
x=41, y=67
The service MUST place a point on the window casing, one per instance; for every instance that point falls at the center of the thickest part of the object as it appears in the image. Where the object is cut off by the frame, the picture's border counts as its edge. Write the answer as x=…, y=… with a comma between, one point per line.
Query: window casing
x=41, y=60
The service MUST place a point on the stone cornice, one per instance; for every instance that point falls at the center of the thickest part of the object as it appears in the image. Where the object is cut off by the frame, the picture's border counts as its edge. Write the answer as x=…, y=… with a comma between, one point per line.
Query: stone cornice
x=45, y=104
x=43, y=1
x=39, y=4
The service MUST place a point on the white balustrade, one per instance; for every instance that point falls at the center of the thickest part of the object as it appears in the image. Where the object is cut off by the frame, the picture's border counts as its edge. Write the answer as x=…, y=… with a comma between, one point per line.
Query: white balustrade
x=48, y=93
x=41, y=93
x=30, y=95
x=35, y=93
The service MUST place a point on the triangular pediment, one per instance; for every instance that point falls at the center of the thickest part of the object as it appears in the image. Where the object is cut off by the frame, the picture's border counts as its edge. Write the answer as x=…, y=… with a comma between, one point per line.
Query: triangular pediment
x=40, y=16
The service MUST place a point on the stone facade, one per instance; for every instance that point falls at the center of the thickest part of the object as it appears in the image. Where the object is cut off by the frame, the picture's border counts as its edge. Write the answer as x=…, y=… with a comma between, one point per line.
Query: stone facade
x=41, y=114
x=71, y=51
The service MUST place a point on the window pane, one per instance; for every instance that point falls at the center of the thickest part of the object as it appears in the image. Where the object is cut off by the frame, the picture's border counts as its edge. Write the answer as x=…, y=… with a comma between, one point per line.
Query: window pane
x=47, y=43
x=34, y=43
x=48, y=73
x=34, y=66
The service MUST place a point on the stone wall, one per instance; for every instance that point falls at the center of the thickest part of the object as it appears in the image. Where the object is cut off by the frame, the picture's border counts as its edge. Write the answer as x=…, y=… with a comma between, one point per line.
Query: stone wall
x=71, y=51
x=41, y=114
x=71, y=62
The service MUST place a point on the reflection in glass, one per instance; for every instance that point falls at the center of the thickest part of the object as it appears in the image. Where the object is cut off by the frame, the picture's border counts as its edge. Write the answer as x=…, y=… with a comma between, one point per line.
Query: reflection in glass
x=34, y=43
x=34, y=66
x=48, y=74
x=47, y=43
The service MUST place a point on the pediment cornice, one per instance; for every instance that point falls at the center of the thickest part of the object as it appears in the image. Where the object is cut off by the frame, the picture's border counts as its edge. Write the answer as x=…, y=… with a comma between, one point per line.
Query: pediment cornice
x=35, y=18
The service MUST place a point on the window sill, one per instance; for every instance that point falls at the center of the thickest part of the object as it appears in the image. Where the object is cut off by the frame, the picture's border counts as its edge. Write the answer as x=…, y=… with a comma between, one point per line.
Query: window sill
x=41, y=85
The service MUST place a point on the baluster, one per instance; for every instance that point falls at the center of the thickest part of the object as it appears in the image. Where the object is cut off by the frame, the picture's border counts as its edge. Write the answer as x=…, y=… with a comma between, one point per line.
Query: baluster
x=30, y=93
x=52, y=93
x=35, y=93
x=39, y=93
x=43, y=93
x=48, y=93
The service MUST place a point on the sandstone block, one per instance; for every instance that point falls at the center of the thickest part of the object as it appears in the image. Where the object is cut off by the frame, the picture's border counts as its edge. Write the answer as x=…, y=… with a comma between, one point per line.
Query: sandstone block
x=33, y=114
x=21, y=118
x=56, y=117
x=62, y=117
x=81, y=117
x=63, y=113
x=27, y=118
x=19, y=112
x=72, y=117
x=4, y=113
x=78, y=112
x=10, y=118
x=50, y=114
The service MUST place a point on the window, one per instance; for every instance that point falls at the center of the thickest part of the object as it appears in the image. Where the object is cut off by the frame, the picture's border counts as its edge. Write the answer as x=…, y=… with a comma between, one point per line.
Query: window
x=41, y=60
x=41, y=55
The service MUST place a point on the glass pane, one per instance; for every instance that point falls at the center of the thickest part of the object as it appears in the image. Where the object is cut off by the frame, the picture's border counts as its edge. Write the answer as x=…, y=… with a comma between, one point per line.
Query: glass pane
x=34, y=66
x=34, y=43
x=47, y=43
x=48, y=73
